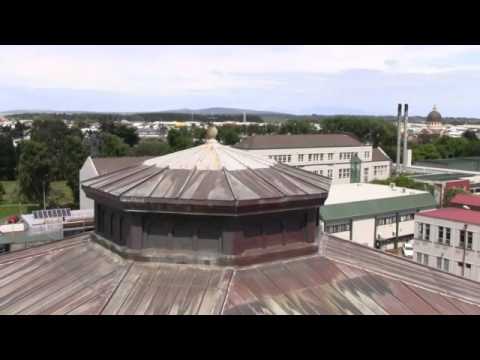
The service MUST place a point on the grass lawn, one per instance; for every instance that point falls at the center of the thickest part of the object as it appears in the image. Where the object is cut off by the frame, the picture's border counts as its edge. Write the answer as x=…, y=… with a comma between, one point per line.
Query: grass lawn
x=60, y=193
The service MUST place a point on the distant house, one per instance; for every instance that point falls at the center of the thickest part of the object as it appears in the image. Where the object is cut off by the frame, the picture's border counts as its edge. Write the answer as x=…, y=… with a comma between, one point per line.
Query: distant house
x=340, y=157
x=94, y=167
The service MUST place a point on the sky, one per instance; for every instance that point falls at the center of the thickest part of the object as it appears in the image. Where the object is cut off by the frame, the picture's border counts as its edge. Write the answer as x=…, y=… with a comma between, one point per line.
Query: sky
x=299, y=79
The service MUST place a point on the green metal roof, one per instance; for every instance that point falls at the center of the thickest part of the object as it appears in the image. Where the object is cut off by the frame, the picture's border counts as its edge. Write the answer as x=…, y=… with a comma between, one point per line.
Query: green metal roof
x=441, y=177
x=369, y=208
x=463, y=163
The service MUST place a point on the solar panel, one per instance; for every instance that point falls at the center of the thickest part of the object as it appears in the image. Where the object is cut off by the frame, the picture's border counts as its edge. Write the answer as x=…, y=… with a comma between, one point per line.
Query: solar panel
x=51, y=213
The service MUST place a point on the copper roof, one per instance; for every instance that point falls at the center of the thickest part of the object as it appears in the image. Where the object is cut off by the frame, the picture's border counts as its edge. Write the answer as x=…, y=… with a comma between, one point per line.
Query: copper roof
x=209, y=176
x=434, y=116
x=77, y=276
x=258, y=142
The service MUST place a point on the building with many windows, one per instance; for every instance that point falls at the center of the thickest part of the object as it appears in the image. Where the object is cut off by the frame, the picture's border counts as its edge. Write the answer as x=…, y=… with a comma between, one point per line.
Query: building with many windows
x=378, y=216
x=341, y=157
x=449, y=240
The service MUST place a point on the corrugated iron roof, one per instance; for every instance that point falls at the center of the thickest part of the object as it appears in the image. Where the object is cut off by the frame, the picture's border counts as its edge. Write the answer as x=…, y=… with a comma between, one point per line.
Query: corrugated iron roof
x=258, y=142
x=369, y=208
x=78, y=276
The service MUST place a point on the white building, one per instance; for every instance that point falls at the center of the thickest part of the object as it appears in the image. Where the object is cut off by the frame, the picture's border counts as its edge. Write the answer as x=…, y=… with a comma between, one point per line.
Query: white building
x=449, y=240
x=373, y=215
x=341, y=157
x=94, y=167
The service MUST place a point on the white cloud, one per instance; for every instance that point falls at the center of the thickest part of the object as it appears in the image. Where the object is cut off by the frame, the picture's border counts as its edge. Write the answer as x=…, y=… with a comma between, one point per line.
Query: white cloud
x=176, y=70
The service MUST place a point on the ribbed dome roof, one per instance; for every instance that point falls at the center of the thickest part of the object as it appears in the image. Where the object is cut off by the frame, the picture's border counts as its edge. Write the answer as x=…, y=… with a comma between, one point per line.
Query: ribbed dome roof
x=209, y=176
x=434, y=116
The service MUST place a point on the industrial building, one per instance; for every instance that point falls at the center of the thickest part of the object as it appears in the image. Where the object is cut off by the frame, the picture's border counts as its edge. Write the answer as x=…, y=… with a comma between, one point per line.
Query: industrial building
x=449, y=240
x=373, y=215
x=340, y=157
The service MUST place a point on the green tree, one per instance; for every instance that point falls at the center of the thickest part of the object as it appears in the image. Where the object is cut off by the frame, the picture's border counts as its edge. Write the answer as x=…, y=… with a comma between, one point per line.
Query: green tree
x=112, y=146
x=150, y=147
x=180, y=139
x=2, y=192
x=52, y=133
x=470, y=135
x=34, y=171
x=450, y=194
x=127, y=133
x=75, y=153
x=228, y=135
x=7, y=157
x=296, y=127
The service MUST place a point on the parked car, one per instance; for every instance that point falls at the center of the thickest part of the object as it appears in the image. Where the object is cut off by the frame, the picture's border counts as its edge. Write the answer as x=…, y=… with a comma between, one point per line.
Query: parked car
x=407, y=250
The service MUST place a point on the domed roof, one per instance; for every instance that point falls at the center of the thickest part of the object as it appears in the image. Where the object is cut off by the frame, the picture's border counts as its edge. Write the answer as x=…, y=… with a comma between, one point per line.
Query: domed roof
x=434, y=116
x=209, y=178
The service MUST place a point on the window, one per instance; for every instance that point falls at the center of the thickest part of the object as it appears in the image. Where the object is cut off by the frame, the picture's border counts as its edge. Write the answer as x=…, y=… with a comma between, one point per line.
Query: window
x=462, y=239
x=336, y=228
x=321, y=172
x=407, y=217
x=387, y=220
x=425, y=259
x=367, y=155
x=365, y=174
x=321, y=157
x=310, y=157
x=447, y=236
x=440, y=234
x=420, y=230
x=439, y=263
x=427, y=231
x=419, y=257
x=446, y=265
x=469, y=240
x=300, y=157
x=289, y=158
x=330, y=156
x=330, y=173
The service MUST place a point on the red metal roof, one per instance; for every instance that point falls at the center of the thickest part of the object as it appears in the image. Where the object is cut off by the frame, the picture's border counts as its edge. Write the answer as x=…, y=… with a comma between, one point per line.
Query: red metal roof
x=466, y=199
x=454, y=214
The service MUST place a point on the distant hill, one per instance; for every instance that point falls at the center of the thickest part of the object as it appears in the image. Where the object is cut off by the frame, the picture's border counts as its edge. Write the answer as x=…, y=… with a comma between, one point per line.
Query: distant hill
x=226, y=111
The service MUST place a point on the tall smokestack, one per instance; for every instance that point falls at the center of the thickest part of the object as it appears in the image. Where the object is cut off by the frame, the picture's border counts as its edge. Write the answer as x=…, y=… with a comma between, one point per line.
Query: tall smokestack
x=399, y=136
x=405, y=137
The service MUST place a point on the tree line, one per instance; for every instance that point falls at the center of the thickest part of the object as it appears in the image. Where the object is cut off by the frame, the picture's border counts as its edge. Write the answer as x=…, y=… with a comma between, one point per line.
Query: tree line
x=57, y=152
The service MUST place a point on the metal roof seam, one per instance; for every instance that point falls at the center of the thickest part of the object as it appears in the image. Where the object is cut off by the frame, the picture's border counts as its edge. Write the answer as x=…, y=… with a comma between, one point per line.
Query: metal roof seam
x=117, y=287
x=140, y=182
x=230, y=185
x=100, y=178
x=109, y=181
x=227, y=291
x=187, y=180
x=159, y=181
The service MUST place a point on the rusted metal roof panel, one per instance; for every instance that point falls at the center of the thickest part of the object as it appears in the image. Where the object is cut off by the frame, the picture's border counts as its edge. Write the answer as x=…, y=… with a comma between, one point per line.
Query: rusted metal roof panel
x=80, y=277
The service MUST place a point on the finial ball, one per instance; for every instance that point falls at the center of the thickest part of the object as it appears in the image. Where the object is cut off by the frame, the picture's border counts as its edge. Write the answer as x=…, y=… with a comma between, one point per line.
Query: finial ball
x=211, y=132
